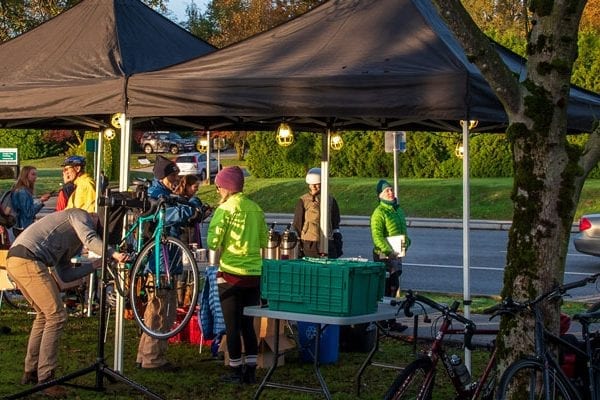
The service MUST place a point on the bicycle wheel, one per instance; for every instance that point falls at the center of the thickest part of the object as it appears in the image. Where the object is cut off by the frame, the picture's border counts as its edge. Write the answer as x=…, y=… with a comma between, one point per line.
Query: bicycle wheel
x=414, y=382
x=163, y=306
x=15, y=299
x=524, y=379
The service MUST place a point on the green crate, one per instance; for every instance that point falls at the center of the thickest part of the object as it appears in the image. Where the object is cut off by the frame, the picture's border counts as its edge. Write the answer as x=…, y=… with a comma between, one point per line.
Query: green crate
x=323, y=286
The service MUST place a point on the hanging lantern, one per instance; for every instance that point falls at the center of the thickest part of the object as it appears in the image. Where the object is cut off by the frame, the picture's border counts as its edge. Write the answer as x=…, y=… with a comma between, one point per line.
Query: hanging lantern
x=109, y=134
x=459, y=150
x=472, y=123
x=285, y=136
x=116, y=120
x=336, y=142
x=202, y=145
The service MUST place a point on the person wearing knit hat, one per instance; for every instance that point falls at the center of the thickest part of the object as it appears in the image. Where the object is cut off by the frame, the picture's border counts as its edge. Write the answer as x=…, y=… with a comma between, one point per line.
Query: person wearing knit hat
x=152, y=352
x=388, y=224
x=231, y=179
x=238, y=231
x=307, y=220
x=164, y=167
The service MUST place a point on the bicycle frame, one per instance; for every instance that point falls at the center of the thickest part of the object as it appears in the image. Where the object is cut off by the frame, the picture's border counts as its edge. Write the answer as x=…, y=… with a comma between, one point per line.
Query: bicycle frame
x=545, y=355
x=437, y=352
x=138, y=227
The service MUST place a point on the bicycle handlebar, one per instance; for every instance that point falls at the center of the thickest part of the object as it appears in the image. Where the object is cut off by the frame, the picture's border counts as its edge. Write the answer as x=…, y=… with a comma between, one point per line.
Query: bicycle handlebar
x=509, y=306
x=450, y=312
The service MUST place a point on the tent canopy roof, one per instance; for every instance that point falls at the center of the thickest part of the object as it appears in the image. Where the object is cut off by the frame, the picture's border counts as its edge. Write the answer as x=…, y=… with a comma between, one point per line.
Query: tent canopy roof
x=370, y=64
x=77, y=64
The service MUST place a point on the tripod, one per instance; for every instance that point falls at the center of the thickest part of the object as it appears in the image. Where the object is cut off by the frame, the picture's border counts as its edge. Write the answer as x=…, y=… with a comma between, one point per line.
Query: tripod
x=99, y=367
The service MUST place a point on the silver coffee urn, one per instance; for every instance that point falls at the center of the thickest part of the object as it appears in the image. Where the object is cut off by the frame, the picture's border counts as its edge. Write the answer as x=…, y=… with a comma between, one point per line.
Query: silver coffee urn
x=272, y=250
x=288, y=247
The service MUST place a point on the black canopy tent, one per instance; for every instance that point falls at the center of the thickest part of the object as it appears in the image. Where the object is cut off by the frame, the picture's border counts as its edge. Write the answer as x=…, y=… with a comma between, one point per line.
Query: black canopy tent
x=362, y=65
x=72, y=71
x=370, y=64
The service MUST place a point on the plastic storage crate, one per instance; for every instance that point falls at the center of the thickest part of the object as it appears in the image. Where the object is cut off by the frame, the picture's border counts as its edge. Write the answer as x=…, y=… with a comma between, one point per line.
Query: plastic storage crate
x=323, y=286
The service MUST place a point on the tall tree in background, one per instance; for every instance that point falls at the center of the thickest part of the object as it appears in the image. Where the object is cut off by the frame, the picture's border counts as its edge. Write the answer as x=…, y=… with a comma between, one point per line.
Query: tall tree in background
x=19, y=16
x=230, y=21
x=549, y=173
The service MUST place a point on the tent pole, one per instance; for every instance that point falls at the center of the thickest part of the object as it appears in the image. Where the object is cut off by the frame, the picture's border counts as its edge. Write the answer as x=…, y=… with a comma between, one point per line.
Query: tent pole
x=208, y=146
x=466, y=245
x=123, y=186
x=324, y=217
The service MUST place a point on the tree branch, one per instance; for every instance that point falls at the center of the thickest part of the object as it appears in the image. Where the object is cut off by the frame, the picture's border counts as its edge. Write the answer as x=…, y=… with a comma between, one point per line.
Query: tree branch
x=479, y=51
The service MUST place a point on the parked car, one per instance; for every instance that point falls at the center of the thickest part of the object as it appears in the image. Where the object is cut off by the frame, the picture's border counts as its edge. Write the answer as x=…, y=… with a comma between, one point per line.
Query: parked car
x=588, y=239
x=162, y=142
x=195, y=164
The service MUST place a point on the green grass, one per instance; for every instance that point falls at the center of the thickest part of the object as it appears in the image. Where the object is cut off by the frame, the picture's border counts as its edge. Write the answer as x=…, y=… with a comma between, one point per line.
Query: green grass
x=424, y=198
x=200, y=374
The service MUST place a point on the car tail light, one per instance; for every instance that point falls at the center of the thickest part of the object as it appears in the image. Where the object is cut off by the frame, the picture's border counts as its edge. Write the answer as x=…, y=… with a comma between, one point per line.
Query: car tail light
x=584, y=224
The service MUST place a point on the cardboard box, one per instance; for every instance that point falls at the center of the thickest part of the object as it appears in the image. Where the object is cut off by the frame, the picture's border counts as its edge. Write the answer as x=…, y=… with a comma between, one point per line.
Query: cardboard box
x=265, y=332
x=3, y=256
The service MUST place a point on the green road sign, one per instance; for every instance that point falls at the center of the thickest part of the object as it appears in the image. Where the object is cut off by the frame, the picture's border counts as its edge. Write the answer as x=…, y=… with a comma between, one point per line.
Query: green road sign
x=9, y=156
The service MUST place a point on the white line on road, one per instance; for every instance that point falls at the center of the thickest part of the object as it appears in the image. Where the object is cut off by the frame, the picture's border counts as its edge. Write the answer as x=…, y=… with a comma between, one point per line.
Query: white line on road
x=479, y=268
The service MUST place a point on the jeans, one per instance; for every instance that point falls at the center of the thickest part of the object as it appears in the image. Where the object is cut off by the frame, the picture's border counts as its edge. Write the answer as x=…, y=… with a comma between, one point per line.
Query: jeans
x=39, y=288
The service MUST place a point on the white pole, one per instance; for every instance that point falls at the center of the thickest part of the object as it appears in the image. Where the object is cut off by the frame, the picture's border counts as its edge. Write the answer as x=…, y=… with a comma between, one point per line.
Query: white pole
x=324, y=217
x=123, y=186
x=208, y=146
x=466, y=245
x=396, y=163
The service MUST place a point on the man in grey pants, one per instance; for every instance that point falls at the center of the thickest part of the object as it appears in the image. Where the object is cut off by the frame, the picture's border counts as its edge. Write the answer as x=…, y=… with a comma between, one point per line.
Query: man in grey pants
x=51, y=242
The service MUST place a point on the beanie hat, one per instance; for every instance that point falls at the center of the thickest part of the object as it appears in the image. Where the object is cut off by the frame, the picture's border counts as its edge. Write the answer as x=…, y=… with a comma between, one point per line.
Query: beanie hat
x=230, y=178
x=164, y=167
x=382, y=184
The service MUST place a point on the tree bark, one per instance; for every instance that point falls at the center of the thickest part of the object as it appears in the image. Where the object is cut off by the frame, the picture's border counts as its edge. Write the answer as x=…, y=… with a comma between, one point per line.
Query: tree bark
x=548, y=172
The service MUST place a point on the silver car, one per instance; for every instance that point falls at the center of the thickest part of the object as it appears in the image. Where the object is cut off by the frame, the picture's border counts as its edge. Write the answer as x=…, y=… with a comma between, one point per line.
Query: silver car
x=588, y=239
x=195, y=164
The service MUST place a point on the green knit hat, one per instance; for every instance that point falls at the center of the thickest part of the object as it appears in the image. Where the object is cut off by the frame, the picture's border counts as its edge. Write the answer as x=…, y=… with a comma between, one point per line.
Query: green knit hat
x=382, y=184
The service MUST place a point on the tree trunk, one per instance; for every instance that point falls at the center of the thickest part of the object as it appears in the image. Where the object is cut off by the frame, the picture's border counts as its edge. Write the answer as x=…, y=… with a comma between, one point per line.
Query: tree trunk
x=548, y=172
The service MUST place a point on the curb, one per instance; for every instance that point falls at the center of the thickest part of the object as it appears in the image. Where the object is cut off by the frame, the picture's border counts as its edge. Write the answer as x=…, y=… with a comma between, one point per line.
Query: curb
x=357, y=220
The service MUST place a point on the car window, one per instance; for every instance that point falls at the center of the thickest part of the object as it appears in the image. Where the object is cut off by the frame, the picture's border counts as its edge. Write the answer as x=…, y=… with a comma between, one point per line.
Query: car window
x=202, y=158
x=174, y=136
x=185, y=159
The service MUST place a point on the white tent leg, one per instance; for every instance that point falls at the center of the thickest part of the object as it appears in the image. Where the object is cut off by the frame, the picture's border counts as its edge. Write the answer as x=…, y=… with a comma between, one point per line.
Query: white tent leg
x=324, y=219
x=466, y=244
x=123, y=186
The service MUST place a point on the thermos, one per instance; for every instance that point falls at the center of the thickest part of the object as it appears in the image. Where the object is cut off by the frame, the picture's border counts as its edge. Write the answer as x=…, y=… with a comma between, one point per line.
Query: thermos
x=288, y=249
x=272, y=250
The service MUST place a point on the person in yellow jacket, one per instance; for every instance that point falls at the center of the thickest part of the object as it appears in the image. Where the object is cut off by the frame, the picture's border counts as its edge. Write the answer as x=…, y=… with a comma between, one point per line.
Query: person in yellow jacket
x=239, y=231
x=84, y=196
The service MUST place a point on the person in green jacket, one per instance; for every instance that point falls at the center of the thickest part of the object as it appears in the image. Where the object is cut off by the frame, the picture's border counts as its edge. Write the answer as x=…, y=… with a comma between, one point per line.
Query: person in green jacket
x=238, y=231
x=387, y=221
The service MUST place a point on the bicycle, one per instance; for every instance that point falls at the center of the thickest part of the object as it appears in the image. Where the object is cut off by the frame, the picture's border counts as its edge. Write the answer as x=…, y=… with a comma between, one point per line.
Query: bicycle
x=417, y=379
x=540, y=374
x=161, y=268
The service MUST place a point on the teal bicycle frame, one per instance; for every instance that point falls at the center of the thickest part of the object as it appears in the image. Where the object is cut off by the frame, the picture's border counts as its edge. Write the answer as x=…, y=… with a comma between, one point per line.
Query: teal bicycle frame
x=138, y=227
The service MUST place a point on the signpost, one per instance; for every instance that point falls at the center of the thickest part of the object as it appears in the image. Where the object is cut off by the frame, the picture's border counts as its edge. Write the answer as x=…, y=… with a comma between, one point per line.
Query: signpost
x=9, y=163
x=395, y=141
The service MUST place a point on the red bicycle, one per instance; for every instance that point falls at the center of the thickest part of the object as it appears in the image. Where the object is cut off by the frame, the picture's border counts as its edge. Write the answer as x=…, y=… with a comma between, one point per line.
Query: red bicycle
x=417, y=379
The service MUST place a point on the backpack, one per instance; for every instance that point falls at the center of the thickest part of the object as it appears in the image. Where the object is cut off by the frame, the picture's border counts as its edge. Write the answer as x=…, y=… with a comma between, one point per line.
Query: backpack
x=8, y=214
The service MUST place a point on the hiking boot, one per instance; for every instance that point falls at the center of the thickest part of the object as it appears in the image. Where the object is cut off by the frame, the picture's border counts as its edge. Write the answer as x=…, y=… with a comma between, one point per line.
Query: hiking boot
x=249, y=375
x=57, y=392
x=29, y=378
x=166, y=367
x=235, y=375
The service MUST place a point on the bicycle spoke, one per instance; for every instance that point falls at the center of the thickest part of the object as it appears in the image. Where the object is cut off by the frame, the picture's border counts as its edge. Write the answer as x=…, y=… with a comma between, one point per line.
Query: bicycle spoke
x=164, y=303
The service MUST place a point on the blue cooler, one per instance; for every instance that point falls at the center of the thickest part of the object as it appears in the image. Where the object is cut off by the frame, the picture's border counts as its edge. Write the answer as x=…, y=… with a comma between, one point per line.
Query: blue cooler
x=328, y=345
